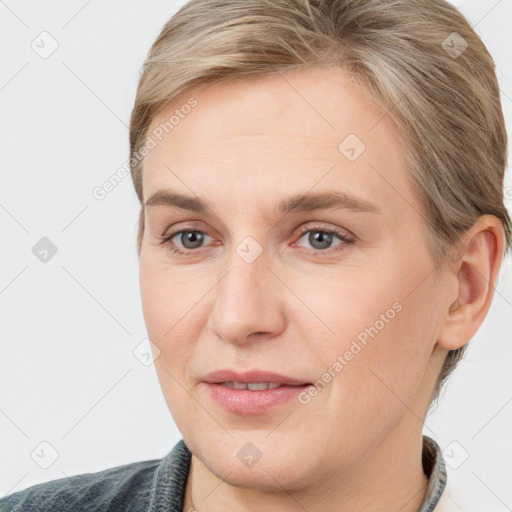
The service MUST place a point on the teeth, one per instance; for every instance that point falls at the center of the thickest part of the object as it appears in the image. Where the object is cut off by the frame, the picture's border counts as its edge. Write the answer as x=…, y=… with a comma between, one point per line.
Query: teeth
x=253, y=386
x=258, y=386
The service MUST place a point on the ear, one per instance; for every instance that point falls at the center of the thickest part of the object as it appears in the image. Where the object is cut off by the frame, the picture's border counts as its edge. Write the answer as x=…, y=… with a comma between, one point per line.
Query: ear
x=474, y=271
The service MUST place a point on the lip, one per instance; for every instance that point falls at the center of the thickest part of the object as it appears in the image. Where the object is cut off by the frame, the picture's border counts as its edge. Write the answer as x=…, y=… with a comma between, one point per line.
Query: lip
x=256, y=375
x=244, y=401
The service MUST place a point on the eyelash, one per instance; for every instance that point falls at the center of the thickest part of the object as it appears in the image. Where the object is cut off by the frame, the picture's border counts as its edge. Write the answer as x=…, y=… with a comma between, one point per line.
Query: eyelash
x=344, y=237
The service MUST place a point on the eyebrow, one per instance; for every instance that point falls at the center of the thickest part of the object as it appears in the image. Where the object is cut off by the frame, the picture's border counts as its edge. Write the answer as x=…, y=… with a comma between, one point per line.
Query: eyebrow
x=298, y=203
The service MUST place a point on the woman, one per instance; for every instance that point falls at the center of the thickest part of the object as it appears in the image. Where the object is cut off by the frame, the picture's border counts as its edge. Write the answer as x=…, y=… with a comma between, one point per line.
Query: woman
x=321, y=231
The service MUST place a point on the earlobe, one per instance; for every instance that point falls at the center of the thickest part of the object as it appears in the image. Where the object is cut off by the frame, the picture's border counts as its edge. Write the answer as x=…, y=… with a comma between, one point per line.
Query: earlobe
x=477, y=271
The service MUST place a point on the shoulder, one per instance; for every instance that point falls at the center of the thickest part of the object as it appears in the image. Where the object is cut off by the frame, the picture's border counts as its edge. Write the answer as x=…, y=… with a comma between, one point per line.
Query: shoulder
x=125, y=488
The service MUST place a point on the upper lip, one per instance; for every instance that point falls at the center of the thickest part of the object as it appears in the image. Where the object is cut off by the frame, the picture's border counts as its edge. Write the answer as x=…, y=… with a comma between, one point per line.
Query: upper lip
x=229, y=375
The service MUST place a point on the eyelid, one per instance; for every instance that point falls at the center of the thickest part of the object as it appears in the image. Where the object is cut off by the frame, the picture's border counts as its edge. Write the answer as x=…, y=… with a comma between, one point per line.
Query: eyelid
x=346, y=236
x=301, y=229
x=343, y=233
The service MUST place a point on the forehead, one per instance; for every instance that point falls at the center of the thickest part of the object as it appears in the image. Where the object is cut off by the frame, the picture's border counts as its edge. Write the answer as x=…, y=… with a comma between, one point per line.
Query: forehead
x=283, y=132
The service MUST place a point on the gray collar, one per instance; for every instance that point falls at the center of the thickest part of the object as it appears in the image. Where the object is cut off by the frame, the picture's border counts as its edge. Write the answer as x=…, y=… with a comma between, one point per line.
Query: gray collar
x=435, y=469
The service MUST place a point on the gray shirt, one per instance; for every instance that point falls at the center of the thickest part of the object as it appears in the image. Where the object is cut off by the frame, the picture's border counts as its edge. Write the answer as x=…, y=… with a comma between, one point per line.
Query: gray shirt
x=159, y=486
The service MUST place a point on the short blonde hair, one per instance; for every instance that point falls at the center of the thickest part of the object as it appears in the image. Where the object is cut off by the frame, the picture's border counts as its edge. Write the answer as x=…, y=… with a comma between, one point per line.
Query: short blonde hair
x=420, y=60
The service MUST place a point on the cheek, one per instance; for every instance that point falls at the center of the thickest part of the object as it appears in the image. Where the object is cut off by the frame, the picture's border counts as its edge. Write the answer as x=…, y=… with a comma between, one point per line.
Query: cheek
x=377, y=341
x=170, y=323
x=165, y=298
x=378, y=382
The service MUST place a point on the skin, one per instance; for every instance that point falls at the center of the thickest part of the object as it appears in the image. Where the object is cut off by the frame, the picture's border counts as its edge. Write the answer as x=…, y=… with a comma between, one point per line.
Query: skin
x=357, y=444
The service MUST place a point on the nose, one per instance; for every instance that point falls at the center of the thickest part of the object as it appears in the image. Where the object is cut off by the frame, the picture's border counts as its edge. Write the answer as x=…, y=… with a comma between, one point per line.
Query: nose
x=248, y=301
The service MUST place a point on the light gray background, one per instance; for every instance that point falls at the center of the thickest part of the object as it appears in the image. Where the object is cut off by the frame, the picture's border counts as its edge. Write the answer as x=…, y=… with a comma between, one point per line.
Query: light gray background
x=68, y=373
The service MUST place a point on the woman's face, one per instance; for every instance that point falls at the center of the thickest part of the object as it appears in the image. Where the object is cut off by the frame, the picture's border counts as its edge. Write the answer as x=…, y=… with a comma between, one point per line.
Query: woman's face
x=337, y=294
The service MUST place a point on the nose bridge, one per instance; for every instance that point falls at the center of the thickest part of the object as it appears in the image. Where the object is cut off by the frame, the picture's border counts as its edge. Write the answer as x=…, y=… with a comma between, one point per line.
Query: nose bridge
x=246, y=301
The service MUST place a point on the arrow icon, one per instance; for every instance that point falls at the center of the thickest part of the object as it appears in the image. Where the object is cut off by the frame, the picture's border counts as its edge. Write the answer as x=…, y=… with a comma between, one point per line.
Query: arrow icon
x=351, y=151
x=45, y=252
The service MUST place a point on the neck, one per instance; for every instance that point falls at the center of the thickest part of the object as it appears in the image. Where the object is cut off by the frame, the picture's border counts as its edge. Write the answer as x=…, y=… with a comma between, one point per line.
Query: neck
x=389, y=477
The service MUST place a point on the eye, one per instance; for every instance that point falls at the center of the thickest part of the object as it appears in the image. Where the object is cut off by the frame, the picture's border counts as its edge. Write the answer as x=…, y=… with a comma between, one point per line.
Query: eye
x=190, y=238
x=321, y=238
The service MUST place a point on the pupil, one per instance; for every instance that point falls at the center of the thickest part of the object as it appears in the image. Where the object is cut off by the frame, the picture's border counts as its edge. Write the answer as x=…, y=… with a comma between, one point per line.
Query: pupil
x=320, y=236
x=194, y=237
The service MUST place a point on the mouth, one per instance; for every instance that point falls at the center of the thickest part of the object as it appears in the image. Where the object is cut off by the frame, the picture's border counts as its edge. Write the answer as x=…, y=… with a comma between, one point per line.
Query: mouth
x=257, y=386
x=253, y=392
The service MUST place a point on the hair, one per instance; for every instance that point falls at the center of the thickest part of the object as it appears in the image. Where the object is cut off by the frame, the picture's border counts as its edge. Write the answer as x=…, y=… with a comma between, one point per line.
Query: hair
x=419, y=59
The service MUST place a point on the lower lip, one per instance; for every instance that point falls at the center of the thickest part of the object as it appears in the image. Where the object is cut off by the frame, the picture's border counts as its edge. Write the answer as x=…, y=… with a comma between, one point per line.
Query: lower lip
x=244, y=401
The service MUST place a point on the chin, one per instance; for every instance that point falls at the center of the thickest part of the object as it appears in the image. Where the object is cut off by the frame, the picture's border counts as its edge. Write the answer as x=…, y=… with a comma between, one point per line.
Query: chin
x=233, y=460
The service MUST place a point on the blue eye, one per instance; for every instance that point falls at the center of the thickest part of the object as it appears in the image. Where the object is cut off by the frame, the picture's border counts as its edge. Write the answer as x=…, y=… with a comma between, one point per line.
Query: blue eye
x=320, y=237
x=188, y=236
